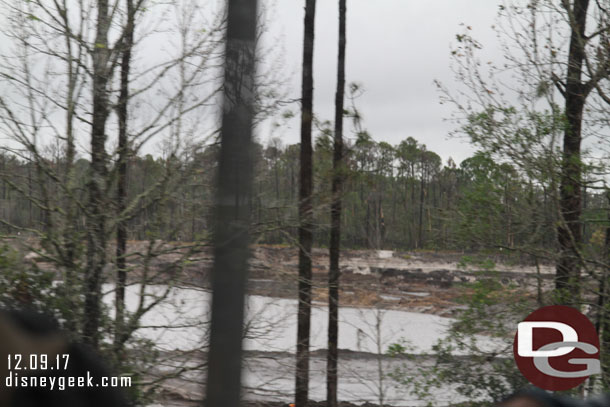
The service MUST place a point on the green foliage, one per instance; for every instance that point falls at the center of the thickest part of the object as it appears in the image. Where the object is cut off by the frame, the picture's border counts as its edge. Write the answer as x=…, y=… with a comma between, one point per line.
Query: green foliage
x=22, y=284
x=418, y=378
x=475, y=358
x=396, y=349
x=395, y=196
x=489, y=189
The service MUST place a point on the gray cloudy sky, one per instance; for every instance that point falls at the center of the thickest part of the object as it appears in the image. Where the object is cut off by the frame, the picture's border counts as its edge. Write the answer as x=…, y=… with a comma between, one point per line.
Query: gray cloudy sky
x=395, y=49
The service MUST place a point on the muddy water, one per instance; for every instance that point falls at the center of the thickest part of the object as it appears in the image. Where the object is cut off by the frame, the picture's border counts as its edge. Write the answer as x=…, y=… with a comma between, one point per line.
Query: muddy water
x=180, y=323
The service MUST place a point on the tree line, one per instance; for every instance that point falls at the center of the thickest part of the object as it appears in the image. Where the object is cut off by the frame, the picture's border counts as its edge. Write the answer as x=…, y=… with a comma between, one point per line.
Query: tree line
x=399, y=197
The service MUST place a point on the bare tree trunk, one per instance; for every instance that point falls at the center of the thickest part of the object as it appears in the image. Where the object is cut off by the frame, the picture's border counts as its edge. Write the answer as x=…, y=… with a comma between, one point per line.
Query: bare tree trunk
x=379, y=345
x=234, y=190
x=70, y=233
x=30, y=190
x=335, y=222
x=96, y=220
x=603, y=320
x=121, y=233
x=305, y=212
x=569, y=230
x=367, y=230
x=422, y=185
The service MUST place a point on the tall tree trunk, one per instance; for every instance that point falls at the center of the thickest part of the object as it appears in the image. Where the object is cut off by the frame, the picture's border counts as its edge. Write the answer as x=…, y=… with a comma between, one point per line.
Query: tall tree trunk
x=367, y=230
x=30, y=191
x=305, y=212
x=121, y=233
x=234, y=190
x=96, y=220
x=335, y=221
x=569, y=230
x=71, y=235
x=420, y=226
x=603, y=320
x=584, y=209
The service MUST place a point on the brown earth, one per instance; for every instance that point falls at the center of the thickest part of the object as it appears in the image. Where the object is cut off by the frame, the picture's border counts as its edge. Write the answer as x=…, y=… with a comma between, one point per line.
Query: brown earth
x=430, y=282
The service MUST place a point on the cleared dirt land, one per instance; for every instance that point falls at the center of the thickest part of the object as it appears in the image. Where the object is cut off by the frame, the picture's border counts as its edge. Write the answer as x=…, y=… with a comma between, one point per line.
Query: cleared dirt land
x=428, y=282
x=411, y=290
x=414, y=293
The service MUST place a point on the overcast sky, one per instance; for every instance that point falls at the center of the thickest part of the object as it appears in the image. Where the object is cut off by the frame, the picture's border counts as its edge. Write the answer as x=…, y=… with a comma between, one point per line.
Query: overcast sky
x=395, y=49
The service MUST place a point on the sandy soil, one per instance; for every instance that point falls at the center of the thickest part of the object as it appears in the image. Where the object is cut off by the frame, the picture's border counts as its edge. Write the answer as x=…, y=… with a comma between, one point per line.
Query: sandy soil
x=420, y=282
x=429, y=282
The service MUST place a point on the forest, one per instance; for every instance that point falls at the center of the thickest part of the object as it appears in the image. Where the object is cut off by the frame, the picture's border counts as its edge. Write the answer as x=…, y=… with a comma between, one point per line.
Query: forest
x=154, y=210
x=396, y=197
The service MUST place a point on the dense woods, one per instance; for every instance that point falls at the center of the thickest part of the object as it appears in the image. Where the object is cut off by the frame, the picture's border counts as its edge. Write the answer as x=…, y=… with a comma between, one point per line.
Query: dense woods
x=395, y=197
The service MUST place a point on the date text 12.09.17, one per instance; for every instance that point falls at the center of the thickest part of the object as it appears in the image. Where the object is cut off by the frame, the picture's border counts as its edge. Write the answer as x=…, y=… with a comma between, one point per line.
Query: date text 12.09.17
x=38, y=361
